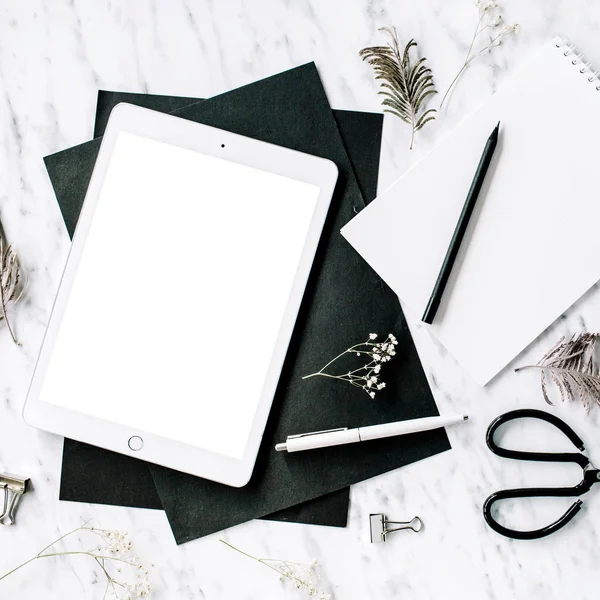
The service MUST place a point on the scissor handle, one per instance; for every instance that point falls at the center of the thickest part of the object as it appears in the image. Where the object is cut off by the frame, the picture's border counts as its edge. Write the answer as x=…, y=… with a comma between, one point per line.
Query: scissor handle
x=590, y=476
x=529, y=493
x=532, y=413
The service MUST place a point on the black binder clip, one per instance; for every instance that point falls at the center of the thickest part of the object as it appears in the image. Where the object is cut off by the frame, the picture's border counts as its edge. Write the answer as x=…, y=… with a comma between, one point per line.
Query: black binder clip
x=379, y=530
x=14, y=488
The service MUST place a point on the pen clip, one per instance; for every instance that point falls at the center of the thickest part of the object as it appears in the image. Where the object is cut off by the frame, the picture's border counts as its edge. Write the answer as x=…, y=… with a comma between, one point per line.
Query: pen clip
x=301, y=435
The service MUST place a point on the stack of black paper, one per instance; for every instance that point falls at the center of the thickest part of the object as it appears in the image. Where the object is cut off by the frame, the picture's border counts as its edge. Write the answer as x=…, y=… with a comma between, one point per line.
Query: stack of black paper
x=344, y=301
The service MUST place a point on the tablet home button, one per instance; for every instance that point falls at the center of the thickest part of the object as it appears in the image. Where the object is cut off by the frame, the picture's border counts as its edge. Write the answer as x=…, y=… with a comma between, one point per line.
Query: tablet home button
x=136, y=443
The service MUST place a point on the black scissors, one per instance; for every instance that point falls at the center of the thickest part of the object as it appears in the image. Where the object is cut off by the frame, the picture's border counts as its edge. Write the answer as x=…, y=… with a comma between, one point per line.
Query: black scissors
x=590, y=474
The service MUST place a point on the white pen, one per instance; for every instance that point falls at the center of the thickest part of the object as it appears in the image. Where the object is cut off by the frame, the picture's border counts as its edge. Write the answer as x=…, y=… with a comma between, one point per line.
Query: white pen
x=343, y=435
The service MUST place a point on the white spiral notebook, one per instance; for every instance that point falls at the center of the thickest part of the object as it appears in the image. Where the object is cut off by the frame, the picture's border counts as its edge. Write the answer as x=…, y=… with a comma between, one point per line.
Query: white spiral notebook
x=533, y=243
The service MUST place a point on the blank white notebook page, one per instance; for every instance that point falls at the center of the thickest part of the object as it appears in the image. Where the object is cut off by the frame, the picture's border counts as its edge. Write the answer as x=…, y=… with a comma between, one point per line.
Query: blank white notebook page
x=179, y=295
x=532, y=247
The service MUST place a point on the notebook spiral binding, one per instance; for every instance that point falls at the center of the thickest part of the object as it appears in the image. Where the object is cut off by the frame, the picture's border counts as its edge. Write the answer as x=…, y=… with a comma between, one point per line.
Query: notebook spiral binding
x=577, y=58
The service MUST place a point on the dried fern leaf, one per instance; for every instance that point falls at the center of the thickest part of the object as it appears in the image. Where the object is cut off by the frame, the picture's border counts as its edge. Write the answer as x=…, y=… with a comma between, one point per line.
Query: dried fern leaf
x=405, y=86
x=572, y=368
x=10, y=283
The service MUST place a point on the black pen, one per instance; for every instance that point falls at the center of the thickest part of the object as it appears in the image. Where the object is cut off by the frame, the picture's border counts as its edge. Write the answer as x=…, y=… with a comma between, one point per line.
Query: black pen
x=461, y=227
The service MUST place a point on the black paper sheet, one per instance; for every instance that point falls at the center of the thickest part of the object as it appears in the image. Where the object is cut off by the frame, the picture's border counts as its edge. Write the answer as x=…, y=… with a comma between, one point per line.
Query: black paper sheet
x=344, y=301
x=124, y=481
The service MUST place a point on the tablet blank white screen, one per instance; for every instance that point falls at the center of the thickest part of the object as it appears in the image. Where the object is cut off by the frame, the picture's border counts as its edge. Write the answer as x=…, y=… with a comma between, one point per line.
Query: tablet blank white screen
x=179, y=294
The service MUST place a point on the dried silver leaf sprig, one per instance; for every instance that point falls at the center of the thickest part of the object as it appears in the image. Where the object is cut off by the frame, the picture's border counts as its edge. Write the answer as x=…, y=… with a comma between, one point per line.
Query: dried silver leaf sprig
x=572, y=368
x=10, y=283
x=368, y=376
x=405, y=86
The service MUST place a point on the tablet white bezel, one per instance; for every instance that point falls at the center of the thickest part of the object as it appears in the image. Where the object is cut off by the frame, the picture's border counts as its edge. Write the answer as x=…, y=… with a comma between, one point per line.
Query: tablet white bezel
x=221, y=144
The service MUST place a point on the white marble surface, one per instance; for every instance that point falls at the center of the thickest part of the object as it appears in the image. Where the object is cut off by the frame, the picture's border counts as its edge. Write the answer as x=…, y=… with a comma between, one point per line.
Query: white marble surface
x=54, y=55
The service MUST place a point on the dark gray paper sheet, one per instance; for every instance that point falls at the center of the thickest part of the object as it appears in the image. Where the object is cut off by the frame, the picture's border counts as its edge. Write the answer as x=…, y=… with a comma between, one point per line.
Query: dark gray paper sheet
x=124, y=481
x=344, y=301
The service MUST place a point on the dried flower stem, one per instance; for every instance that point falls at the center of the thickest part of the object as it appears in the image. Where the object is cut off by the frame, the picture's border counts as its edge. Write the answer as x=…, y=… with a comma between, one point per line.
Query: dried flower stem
x=301, y=575
x=116, y=548
x=367, y=376
x=489, y=18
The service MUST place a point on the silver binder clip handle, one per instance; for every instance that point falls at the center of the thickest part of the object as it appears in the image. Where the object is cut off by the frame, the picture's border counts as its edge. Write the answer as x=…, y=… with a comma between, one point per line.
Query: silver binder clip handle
x=379, y=526
x=14, y=488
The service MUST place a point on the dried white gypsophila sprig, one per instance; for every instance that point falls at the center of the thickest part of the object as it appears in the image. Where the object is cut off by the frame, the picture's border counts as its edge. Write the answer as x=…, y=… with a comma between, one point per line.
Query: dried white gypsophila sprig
x=490, y=18
x=302, y=576
x=368, y=376
x=126, y=577
x=10, y=283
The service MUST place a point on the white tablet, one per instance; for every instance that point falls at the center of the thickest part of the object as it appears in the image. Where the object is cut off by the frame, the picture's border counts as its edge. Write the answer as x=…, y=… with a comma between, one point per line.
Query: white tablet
x=180, y=294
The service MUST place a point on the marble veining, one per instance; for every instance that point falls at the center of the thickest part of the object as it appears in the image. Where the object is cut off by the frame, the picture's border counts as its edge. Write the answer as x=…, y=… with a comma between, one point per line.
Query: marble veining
x=54, y=55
